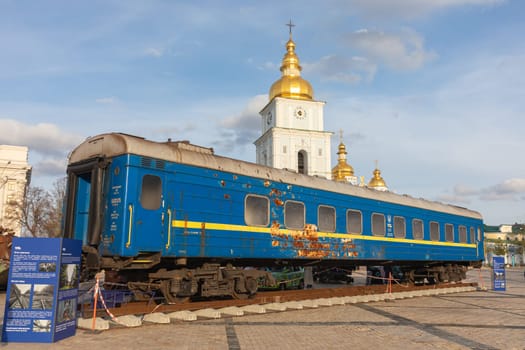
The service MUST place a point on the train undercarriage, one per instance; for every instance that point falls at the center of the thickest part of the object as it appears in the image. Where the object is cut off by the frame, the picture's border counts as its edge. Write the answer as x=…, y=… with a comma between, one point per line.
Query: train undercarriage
x=148, y=276
x=436, y=274
x=176, y=280
x=209, y=280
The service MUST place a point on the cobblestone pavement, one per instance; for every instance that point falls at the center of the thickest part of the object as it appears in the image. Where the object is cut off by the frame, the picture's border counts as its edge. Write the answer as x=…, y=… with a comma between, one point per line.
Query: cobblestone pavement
x=468, y=320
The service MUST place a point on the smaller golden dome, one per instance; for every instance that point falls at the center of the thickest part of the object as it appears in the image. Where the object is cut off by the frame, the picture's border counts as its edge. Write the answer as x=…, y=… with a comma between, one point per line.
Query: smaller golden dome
x=377, y=182
x=291, y=85
x=342, y=171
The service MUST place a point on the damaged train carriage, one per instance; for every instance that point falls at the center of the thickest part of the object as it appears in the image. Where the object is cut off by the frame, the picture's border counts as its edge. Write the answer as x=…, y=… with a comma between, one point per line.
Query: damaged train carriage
x=177, y=218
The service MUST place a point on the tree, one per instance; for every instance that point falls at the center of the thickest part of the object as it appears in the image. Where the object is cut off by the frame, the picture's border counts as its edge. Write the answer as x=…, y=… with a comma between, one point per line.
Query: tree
x=500, y=249
x=58, y=194
x=41, y=212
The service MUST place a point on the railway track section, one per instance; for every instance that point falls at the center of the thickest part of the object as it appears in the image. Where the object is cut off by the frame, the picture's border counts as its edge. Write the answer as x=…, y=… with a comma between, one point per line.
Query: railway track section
x=264, y=297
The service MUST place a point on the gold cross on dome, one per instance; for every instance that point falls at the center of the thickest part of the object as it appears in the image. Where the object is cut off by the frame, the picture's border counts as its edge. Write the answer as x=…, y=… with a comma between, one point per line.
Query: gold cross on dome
x=290, y=24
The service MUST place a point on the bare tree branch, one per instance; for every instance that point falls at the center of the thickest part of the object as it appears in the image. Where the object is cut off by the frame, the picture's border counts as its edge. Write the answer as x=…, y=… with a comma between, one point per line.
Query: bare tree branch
x=41, y=213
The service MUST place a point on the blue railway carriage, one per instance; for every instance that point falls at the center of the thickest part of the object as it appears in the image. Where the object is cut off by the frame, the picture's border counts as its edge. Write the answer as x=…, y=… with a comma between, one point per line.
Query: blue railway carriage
x=175, y=217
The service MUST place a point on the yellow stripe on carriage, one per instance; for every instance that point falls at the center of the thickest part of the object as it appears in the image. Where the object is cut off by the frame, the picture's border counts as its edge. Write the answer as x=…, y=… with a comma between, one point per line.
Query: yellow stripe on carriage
x=352, y=236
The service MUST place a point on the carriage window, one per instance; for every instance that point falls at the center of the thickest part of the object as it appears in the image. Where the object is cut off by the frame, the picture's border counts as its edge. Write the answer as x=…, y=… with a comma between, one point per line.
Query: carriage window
x=378, y=224
x=354, y=222
x=257, y=210
x=479, y=234
x=434, y=231
x=294, y=215
x=417, y=229
x=151, y=194
x=449, y=233
x=462, y=234
x=399, y=226
x=472, y=235
x=326, y=218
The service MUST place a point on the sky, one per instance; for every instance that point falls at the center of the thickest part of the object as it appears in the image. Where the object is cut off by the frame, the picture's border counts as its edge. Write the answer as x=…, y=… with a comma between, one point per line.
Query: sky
x=433, y=90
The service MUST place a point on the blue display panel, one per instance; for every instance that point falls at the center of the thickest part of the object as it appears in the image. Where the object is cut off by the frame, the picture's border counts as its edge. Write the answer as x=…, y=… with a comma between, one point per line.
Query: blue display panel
x=42, y=290
x=498, y=273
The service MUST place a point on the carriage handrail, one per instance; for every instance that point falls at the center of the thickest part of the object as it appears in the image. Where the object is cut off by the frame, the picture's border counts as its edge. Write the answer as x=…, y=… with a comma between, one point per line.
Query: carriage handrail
x=169, y=229
x=130, y=209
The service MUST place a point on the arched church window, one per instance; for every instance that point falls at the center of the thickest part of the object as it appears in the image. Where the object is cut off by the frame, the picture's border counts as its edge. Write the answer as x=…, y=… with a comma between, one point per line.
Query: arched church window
x=302, y=167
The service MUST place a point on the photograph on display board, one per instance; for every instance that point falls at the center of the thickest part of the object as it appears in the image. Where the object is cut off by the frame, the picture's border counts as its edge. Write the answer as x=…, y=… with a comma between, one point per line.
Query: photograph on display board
x=43, y=296
x=69, y=276
x=47, y=267
x=19, y=296
x=41, y=325
x=66, y=310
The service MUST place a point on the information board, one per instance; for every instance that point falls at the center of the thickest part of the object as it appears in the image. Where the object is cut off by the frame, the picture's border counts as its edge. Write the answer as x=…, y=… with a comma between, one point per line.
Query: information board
x=498, y=273
x=42, y=290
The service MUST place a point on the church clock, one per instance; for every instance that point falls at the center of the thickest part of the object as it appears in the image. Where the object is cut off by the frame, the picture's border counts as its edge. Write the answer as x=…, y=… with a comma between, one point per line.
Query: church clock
x=300, y=113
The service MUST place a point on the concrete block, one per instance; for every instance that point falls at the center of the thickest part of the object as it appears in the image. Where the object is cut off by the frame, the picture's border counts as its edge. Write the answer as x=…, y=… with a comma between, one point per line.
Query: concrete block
x=337, y=301
x=404, y=295
x=208, y=313
x=296, y=305
x=310, y=303
x=324, y=302
x=380, y=297
x=351, y=300
x=86, y=323
x=388, y=296
x=367, y=298
x=156, y=317
x=182, y=316
x=128, y=321
x=255, y=309
x=231, y=311
x=275, y=307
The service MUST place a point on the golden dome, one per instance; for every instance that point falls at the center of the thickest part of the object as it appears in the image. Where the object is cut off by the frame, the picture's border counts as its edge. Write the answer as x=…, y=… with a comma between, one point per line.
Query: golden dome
x=291, y=85
x=342, y=170
x=377, y=181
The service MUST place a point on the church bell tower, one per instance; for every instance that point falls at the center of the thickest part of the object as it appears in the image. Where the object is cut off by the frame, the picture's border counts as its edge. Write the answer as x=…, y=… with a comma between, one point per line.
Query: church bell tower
x=293, y=135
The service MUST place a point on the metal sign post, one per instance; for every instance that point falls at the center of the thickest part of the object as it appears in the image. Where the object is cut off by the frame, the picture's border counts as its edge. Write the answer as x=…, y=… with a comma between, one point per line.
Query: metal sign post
x=498, y=273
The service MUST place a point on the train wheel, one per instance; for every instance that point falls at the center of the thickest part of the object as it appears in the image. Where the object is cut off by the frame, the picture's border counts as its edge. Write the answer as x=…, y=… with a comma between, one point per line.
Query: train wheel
x=301, y=284
x=410, y=277
x=443, y=277
x=171, y=298
x=251, y=285
x=249, y=290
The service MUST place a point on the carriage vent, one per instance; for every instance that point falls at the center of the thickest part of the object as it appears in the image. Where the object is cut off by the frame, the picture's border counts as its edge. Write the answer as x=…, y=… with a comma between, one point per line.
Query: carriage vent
x=146, y=162
x=160, y=164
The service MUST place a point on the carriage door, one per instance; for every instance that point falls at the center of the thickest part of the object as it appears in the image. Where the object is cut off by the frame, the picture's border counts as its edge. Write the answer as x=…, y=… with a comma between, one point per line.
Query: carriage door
x=84, y=215
x=150, y=215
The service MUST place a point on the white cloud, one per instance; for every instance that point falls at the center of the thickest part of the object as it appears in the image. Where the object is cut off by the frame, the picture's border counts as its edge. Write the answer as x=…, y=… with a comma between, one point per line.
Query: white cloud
x=48, y=145
x=106, y=100
x=342, y=69
x=242, y=129
x=151, y=51
x=412, y=8
x=270, y=66
x=402, y=51
x=50, y=167
x=511, y=189
x=44, y=138
x=248, y=118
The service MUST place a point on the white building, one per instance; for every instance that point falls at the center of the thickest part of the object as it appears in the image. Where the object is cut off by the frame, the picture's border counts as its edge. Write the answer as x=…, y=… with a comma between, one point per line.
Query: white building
x=15, y=175
x=293, y=135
